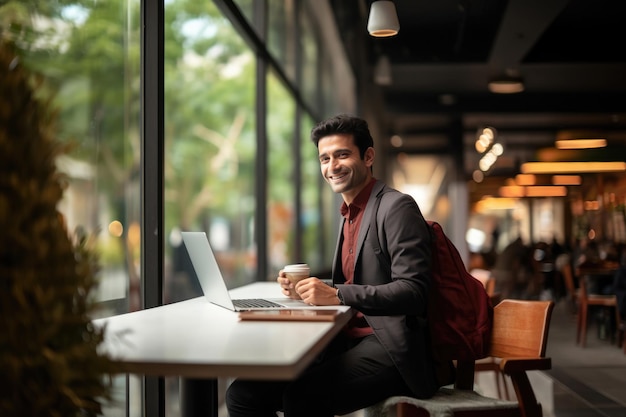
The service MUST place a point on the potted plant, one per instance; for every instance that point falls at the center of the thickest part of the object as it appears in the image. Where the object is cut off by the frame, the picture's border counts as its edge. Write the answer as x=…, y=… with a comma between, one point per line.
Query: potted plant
x=50, y=364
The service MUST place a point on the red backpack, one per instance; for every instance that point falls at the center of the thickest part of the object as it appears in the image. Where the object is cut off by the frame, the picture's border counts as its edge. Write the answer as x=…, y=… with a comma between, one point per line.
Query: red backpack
x=460, y=313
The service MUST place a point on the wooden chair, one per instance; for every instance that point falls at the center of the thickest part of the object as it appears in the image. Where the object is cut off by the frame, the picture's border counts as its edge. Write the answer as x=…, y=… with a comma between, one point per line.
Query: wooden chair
x=519, y=339
x=570, y=286
x=586, y=300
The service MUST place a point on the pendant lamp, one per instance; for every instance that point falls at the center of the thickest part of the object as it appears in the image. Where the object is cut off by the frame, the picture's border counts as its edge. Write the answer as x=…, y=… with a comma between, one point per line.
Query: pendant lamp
x=383, y=19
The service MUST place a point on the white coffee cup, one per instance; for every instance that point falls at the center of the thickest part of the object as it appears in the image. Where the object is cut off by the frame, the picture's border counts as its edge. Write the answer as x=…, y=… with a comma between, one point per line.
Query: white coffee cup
x=297, y=272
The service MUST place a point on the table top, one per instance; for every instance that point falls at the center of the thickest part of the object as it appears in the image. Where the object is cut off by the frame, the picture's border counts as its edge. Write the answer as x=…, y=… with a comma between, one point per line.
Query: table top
x=197, y=339
x=608, y=268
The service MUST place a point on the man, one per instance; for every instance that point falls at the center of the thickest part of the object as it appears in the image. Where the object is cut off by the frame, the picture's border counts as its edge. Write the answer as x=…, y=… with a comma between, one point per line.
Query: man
x=384, y=350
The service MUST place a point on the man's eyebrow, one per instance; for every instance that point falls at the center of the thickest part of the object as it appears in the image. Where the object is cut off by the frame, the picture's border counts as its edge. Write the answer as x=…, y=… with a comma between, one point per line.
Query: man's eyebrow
x=342, y=150
x=336, y=151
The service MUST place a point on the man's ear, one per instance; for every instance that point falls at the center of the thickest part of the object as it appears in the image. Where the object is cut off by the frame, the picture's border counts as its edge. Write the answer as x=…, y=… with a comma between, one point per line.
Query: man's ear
x=370, y=153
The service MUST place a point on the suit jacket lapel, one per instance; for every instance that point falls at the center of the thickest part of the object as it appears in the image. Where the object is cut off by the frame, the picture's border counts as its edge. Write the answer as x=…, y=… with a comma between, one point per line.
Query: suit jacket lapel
x=377, y=192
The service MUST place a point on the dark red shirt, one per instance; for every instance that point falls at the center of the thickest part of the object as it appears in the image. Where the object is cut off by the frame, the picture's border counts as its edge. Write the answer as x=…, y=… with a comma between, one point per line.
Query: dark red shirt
x=353, y=215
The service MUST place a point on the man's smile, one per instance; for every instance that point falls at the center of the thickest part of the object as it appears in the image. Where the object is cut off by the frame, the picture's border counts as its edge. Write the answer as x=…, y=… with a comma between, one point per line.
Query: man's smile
x=338, y=177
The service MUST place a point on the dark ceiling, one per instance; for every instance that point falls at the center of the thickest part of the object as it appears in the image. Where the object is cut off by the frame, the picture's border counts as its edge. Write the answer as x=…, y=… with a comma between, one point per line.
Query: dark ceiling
x=570, y=53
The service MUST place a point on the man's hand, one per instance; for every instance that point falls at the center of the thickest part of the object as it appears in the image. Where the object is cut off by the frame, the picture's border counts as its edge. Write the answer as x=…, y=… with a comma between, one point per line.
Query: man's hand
x=313, y=291
x=286, y=286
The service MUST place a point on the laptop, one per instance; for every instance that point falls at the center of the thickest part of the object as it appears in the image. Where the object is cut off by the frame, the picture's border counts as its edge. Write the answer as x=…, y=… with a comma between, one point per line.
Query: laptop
x=212, y=282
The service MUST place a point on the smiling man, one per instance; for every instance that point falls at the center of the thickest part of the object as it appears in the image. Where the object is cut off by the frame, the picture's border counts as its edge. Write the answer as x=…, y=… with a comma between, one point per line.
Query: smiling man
x=384, y=350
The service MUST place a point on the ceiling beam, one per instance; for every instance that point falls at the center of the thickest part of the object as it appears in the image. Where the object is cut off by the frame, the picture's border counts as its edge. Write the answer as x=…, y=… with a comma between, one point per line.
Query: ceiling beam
x=522, y=25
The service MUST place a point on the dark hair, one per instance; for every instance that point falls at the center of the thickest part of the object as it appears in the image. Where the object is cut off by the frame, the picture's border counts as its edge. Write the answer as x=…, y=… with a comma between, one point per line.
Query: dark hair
x=344, y=123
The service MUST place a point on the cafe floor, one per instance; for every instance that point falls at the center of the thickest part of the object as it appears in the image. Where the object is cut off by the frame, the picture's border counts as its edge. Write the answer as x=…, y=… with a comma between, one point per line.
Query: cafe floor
x=589, y=381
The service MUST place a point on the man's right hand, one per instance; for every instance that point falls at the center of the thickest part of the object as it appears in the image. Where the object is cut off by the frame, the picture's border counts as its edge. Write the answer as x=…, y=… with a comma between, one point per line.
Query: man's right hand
x=287, y=287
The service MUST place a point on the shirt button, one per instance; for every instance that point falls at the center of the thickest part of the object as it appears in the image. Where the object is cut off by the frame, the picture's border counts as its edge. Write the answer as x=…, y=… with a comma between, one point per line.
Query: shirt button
x=351, y=221
x=350, y=251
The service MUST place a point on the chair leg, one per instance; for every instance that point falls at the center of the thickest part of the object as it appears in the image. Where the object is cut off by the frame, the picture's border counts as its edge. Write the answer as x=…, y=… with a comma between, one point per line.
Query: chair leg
x=615, y=332
x=505, y=386
x=578, y=321
x=496, y=374
x=583, y=325
x=621, y=330
x=525, y=395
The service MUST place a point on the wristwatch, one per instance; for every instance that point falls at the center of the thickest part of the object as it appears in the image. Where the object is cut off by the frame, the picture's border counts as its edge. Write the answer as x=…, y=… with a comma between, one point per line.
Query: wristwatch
x=340, y=297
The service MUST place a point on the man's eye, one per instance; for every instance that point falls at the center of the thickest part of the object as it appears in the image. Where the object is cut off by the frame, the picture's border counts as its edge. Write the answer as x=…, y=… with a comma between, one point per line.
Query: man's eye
x=324, y=159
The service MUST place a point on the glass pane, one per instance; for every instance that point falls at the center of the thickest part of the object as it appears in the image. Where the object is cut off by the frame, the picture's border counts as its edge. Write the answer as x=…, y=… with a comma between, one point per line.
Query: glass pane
x=280, y=36
x=210, y=151
x=210, y=145
x=327, y=88
x=247, y=9
x=281, y=168
x=311, y=215
x=88, y=53
x=309, y=55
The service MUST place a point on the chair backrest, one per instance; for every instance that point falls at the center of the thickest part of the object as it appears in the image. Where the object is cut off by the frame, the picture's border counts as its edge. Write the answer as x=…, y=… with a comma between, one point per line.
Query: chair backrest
x=568, y=278
x=520, y=328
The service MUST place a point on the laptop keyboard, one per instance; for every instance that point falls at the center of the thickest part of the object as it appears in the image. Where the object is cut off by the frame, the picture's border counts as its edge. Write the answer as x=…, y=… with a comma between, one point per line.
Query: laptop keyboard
x=255, y=303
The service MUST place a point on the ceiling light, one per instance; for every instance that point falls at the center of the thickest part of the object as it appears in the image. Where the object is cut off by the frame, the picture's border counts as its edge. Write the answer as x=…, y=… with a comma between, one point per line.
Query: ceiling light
x=580, y=143
x=512, y=191
x=382, y=71
x=485, y=139
x=506, y=85
x=567, y=180
x=546, y=191
x=396, y=141
x=383, y=19
x=571, y=167
x=525, y=179
x=495, y=203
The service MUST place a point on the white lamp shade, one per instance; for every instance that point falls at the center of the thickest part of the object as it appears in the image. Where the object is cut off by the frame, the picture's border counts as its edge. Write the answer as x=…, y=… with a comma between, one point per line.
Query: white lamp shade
x=383, y=19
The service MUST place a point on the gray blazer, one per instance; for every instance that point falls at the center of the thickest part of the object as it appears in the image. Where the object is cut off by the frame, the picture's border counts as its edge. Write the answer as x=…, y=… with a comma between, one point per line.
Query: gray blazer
x=394, y=298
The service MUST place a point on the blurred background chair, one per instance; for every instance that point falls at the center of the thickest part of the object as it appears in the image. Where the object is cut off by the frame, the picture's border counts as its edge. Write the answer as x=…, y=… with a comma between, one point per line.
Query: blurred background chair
x=570, y=287
x=489, y=282
x=585, y=301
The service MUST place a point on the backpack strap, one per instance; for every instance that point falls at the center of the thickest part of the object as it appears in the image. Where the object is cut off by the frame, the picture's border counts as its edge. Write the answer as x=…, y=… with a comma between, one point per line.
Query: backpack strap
x=381, y=254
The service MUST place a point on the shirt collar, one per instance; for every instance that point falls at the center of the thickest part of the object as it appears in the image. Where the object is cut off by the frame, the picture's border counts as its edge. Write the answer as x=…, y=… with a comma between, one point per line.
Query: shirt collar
x=360, y=201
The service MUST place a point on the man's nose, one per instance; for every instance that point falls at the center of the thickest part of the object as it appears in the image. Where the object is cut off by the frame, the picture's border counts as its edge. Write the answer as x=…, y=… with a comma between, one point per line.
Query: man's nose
x=334, y=164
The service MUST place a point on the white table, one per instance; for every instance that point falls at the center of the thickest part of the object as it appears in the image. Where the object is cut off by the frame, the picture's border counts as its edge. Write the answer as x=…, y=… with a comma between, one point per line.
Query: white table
x=199, y=341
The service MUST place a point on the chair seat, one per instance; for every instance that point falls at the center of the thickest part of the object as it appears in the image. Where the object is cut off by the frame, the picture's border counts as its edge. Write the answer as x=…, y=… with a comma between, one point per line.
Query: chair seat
x=443, y=404
x=600, y=299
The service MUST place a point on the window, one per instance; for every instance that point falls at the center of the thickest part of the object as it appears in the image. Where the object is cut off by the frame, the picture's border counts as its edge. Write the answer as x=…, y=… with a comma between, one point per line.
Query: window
x=281, y=162
x=89, y=53
x=209, y=146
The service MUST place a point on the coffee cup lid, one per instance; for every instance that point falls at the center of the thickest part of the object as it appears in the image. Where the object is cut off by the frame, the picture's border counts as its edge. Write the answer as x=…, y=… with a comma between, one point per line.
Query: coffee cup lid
x=296, y=267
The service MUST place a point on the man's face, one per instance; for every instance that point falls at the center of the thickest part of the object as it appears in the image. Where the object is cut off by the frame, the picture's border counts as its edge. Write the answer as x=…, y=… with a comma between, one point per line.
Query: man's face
x=342, y=166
